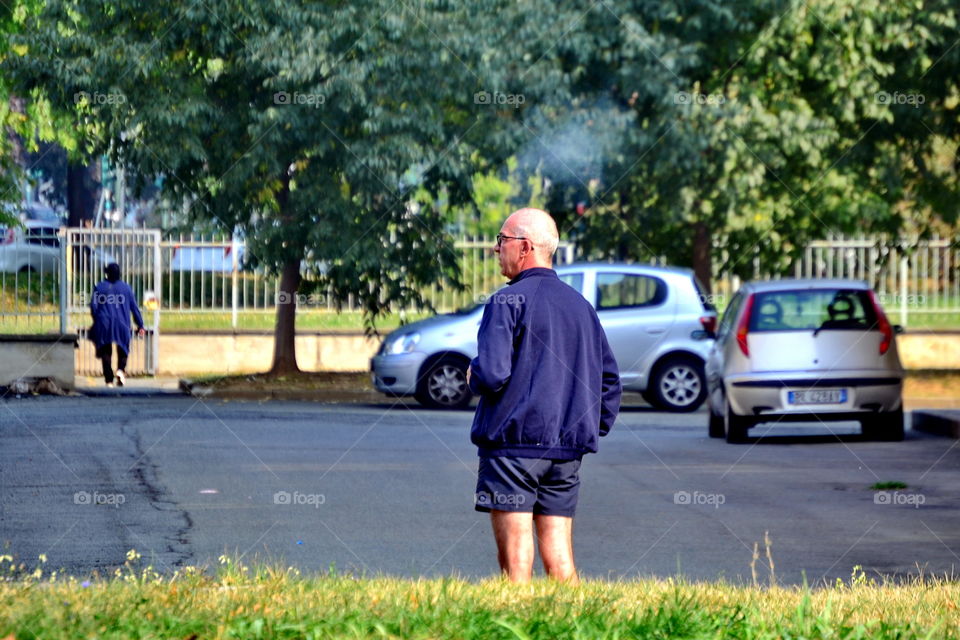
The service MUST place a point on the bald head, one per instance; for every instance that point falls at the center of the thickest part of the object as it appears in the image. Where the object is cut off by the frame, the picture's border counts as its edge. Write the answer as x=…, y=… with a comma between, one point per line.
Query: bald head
x=539, y=228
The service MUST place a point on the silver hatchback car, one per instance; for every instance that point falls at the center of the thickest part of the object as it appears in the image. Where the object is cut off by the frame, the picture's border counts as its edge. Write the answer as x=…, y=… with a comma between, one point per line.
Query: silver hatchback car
x=805, y=350
x=654, y=318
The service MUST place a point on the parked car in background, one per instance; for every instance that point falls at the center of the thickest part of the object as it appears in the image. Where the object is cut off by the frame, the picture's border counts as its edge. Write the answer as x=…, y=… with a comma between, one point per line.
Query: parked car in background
x=651, y=316
x=805, y=350
x=33, y=248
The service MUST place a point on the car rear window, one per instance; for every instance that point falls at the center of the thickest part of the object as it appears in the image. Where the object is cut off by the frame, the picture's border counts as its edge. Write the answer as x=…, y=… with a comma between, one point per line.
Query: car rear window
x=812, y=309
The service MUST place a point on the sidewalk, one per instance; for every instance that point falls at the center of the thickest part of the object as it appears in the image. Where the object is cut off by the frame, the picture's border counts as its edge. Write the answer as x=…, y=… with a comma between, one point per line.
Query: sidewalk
x=135, y=387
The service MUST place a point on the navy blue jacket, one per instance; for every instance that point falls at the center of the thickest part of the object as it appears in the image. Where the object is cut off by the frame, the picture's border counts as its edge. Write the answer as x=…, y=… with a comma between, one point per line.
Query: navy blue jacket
x=111, y=306
x=549, y=386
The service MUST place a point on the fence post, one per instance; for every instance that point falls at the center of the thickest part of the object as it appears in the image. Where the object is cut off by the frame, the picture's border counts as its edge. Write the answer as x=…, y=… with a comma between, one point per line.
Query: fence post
x=64, y=283
x=903, y=289
x=154, y=364
x=234, y=277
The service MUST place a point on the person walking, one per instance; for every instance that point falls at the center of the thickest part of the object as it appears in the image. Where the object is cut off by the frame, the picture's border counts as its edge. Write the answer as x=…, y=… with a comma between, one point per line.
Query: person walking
x=111, y=305
x=549, y=387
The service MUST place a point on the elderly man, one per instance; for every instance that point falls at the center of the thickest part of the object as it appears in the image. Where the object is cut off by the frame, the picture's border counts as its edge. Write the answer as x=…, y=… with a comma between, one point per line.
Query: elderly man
x=549, y=388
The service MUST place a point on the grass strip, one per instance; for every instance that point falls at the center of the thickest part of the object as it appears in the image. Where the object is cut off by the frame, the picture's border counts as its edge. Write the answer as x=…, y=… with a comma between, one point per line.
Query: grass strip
x=267, y=602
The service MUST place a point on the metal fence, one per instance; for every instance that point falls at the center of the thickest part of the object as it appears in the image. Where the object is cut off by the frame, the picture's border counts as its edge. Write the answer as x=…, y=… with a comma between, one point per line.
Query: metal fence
x=85, y=253
x=912, y=278
x=205, y=283
x=206, y=275
x=918, y=278
x=29, y=280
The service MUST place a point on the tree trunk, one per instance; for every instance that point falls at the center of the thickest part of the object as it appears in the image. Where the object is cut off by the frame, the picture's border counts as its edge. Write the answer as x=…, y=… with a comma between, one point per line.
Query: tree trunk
x=285, y=331
x=81, y=194
x=702, y=263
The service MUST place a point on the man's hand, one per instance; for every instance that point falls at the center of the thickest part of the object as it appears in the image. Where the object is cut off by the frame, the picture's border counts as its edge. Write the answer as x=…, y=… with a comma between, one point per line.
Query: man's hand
x=141, y=332
x=469, y=373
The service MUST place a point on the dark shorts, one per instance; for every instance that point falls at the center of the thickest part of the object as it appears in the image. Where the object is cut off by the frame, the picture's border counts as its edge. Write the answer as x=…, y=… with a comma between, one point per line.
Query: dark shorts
x=530, y=485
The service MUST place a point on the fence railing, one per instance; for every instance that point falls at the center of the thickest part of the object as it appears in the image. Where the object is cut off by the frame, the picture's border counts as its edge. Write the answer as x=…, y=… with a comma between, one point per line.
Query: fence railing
x=204, y=280
x=919, y=278
x=30, y=261
x=207, y=275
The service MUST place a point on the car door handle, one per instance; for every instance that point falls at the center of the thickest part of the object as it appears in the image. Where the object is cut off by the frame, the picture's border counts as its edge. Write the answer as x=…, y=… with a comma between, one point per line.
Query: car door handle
x=655, y=331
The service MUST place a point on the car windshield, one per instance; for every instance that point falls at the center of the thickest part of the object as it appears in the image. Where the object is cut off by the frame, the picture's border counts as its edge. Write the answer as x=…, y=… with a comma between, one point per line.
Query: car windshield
x=42, y=213
x=812, y=310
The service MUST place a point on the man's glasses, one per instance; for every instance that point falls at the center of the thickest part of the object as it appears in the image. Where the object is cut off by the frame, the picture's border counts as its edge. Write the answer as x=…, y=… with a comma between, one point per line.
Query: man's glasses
x=501, y=238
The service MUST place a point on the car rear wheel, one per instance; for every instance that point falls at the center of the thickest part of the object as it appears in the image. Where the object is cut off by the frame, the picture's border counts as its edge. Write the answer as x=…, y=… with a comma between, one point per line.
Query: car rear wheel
x=886, y=426
x=678, y=384
x=715, y=426
x=734, y=426
x=444, y=385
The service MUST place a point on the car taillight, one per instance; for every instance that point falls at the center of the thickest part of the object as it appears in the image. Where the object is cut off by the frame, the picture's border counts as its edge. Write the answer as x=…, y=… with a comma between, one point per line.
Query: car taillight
x=744, y=325
x=883, y=324
x=709, y=324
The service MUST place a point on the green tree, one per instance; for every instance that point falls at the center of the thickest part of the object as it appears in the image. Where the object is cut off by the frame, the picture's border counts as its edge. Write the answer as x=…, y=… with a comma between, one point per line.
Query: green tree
x=759, y=125
x=312, y=128
x=27, y=117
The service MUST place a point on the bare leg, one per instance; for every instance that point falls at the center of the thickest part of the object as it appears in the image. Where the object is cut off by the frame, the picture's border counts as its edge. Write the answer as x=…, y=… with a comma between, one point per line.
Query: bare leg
x=513, y=532
x=555, y=537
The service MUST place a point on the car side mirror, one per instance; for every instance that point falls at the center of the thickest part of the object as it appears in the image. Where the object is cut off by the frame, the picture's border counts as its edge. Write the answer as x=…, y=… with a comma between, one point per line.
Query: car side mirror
x=898, y=329
x=702, y=334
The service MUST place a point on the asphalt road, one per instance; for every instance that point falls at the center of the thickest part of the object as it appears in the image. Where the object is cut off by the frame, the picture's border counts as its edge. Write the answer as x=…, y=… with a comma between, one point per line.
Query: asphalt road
x=373, y=489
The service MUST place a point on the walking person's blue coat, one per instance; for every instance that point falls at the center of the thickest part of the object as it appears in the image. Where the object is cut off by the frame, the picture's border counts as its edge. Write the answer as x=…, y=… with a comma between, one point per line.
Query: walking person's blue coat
x=111, y=306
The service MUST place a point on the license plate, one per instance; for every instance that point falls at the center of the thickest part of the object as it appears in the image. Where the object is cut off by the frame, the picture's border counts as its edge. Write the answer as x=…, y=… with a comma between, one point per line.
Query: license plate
x=817, y=396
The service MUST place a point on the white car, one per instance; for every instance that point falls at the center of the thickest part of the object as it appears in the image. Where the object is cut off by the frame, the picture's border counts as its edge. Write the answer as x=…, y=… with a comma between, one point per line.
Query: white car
x=654, y=318
x=33, y=248
x=805, y=350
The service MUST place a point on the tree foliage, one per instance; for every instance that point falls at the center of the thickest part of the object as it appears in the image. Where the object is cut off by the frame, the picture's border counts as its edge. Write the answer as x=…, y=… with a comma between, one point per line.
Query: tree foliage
x=763, y=123
x=310, y=127
x=337, y=135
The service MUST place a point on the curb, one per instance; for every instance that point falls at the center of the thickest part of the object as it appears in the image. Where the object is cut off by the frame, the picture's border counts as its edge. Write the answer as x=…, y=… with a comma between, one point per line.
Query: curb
x=128, y=393
x=942, y=422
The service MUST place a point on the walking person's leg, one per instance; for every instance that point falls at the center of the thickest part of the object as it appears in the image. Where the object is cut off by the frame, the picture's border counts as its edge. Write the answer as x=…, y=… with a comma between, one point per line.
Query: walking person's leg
x=105, y=353
x=121, y=366
x=513, y=531
x=555, y=538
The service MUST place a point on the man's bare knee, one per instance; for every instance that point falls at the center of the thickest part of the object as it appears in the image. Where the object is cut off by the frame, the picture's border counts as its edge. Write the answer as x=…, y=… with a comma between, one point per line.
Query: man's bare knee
x=513, y=532
x=555, y=537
